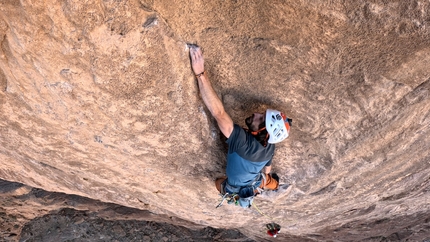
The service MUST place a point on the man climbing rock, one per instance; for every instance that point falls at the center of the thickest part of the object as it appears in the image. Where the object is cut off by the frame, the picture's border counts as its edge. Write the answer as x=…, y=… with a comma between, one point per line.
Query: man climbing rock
x=250, y=150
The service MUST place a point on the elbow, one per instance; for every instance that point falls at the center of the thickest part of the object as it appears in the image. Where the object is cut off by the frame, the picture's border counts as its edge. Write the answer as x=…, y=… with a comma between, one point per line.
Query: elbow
x=219, y=113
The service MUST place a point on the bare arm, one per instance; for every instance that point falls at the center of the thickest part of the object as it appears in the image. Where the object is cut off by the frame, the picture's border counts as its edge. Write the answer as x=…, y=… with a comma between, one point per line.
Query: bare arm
x=267, y=169
x=210, y=98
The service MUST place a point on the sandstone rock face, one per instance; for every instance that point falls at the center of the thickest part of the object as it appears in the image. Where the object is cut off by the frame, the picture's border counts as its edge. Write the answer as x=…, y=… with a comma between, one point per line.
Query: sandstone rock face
x=52, y=216
x=98, y=99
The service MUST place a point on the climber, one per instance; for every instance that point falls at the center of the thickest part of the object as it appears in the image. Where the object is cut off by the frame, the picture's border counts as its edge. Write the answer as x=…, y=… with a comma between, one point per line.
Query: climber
x=250, y=150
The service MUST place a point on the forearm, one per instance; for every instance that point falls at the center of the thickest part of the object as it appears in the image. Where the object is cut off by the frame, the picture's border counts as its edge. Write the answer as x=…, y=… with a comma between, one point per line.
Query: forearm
x=210, y=98
x=267, y=169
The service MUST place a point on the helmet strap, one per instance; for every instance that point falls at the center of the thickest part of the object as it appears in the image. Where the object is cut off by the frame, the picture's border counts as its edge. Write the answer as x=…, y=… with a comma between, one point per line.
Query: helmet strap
x=258, y=131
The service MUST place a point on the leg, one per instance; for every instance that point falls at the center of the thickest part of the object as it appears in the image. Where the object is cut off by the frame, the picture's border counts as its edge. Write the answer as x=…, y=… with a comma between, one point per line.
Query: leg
x=218, y=183
x=271, y=183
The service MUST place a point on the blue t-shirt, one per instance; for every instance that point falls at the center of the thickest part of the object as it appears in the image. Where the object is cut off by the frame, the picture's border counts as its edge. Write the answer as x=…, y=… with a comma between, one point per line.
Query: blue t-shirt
x=246, y=157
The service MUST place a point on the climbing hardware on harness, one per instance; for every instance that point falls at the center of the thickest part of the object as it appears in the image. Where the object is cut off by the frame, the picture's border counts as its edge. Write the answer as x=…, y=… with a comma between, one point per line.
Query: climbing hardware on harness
x=231, y=198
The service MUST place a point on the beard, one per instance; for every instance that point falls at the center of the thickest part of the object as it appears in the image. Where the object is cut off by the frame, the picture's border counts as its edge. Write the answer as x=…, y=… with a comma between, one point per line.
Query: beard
x=248, y=122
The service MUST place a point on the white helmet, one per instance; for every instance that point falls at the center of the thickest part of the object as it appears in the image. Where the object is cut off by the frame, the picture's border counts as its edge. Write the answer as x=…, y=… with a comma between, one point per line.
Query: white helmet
x=277, y=125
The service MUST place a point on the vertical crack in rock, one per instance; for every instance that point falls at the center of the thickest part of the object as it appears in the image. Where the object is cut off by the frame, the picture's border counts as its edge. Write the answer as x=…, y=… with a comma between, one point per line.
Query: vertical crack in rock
x=3, y=81
x=420, y=93
x=151, y=21
x=154, y=20
x=3, y=28
x=147, y=5
x=325, y=189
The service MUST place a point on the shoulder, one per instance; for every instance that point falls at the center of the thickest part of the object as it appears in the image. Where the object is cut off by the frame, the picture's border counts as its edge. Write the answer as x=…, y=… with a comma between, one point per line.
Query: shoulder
x=247, y=146
x=237, y=133
x=238, y=138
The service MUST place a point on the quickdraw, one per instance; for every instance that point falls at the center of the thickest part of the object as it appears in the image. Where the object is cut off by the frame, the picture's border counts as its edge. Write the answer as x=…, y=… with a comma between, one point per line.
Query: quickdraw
x=231, y=198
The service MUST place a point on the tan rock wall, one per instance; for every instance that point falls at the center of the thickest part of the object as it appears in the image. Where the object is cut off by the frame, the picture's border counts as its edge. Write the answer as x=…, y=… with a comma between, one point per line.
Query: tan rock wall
x=98, y=99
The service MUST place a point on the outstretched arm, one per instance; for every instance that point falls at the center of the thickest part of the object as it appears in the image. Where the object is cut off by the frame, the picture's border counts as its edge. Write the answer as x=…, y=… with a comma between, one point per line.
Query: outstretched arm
x=210, y=98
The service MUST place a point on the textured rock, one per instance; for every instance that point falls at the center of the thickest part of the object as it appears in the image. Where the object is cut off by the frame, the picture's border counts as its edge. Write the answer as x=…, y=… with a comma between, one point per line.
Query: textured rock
x=51, y=216
x=98, y=99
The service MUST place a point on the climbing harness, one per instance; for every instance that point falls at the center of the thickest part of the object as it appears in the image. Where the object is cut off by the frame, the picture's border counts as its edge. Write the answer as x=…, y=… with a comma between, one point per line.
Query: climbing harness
x=242, y=196
x=230, y=198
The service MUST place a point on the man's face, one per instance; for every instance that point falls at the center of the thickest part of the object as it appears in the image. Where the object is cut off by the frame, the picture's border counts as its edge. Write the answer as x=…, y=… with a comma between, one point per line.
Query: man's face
x=255, y=121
